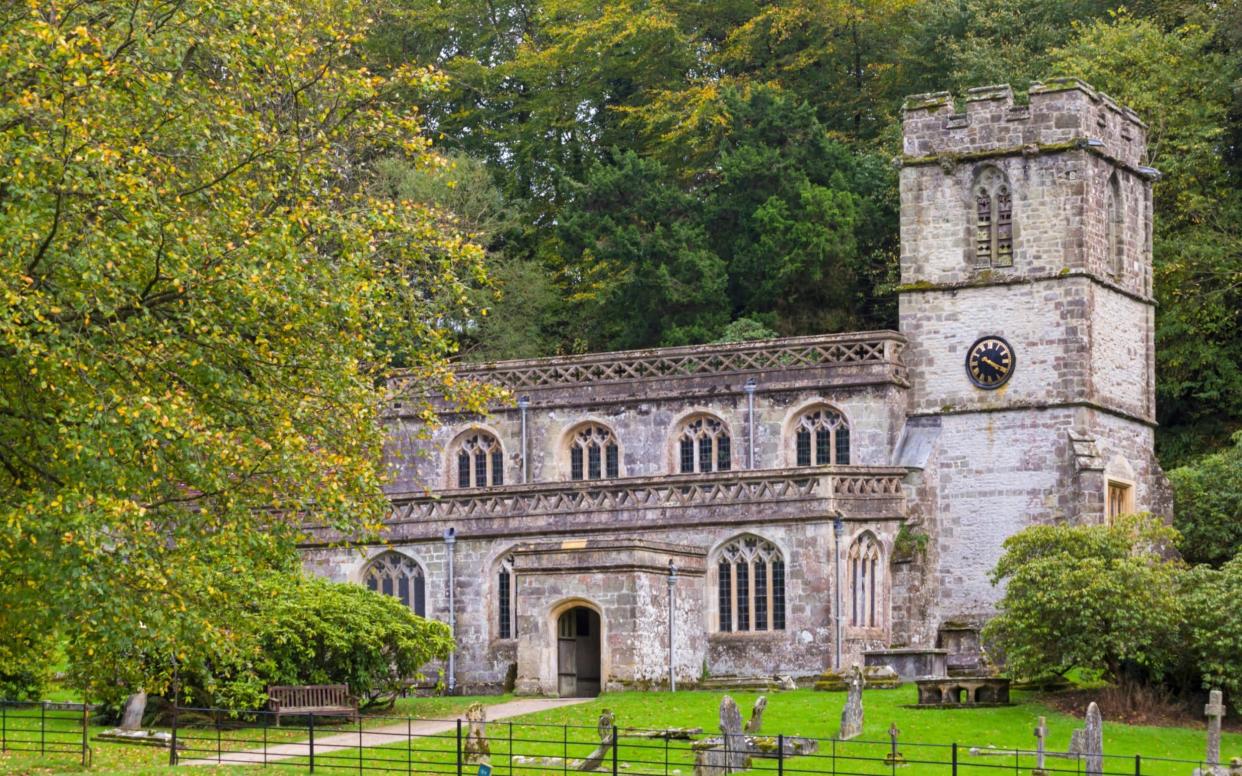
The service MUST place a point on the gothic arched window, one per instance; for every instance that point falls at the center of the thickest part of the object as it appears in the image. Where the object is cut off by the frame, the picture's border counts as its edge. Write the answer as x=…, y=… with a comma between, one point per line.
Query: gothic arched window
x=993, y=219
x=396, y=575
x=506, y=589
x=593, y=453
x=480, y=461
x=1113, y=227
x=703, y=446
x=865, y=567
x=821, y=436
x=751, y=586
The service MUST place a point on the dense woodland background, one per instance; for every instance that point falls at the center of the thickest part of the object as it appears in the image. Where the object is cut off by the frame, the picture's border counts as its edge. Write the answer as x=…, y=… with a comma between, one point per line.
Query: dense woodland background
x=663, y=172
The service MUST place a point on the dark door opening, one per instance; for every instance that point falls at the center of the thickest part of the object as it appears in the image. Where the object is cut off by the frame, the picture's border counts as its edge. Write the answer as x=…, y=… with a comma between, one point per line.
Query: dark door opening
x=577, y=653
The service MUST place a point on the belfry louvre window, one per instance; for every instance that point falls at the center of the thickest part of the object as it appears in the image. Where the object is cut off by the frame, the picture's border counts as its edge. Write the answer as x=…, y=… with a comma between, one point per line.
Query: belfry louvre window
x=865, y=569
x=993, y=219
x=822, y=436
x=506, y=589
x=593, y=454
x=704, y=447
x=480, y=461
x=751, y=586
x=396, y=575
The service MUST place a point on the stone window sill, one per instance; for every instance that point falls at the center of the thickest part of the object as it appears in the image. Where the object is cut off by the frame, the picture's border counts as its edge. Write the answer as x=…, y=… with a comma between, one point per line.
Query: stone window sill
x=747, y=636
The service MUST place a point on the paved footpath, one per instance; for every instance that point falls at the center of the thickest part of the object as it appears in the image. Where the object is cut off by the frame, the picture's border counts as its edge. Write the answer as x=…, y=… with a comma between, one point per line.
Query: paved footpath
x=382, y=735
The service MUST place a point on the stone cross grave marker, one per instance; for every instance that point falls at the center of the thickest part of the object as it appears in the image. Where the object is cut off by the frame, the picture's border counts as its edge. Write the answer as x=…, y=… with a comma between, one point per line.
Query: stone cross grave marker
x=852, y=714
x=893, y=757
x=476, y=748
x=1041, y=735
x=1215, y=711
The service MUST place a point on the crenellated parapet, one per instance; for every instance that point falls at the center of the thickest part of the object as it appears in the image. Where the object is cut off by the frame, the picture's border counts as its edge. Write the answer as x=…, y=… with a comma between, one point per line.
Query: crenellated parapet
x=1061, y=113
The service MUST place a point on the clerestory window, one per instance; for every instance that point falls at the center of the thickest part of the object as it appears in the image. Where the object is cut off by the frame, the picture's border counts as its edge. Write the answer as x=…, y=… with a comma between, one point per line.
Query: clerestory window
x=703, y=446
x=594, y=454
x=821, y=437
x=480, y=461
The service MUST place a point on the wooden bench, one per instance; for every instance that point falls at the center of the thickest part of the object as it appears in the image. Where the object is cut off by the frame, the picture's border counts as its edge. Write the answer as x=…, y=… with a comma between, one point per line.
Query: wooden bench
x=325, y=699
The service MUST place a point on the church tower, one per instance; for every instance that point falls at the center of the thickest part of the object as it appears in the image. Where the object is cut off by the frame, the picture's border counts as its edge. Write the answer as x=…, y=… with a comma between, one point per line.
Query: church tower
x=1026, y=297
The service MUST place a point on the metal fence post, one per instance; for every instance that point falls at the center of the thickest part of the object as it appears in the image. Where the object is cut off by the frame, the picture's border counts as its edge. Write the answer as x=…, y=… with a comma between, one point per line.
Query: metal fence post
x=954, y=758
x=616, y=744
x=1138, y=765
x=311, y=727
x=4, y=727
x=359, y=745
x=43, y=727
x=459, y=746
x=172, y=749
x=85, y=725
x=409, y=745
x=218, y=747
x=780, y=753
x=266, y=721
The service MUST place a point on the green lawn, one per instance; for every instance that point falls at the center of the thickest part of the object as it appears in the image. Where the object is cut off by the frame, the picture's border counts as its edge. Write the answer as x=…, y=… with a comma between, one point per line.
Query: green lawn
x=570, y=731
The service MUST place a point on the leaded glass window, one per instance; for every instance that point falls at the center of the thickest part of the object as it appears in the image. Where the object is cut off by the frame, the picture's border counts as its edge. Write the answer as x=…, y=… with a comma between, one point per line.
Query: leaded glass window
x=751, y=586
x=480, y=461
x=593, y=454
x=821, y=437
x=865, y=570
x=703, y=446
x=506, y=589
x=396, y=575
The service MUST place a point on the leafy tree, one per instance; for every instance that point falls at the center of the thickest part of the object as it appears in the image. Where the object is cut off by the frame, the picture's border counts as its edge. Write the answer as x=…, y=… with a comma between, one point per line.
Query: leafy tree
x=197, y=281
x=663, y=285
x=1211, y=604
x=1207, y=499
x=307, y=630
x=1090, y=597
x=802, y=220
x=744, y=330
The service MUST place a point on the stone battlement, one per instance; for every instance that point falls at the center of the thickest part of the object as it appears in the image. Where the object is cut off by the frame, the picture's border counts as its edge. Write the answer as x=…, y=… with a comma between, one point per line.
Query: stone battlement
x=1062, y=113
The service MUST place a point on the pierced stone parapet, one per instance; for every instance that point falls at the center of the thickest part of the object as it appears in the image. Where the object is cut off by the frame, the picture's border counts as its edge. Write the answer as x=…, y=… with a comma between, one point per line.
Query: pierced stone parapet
x=856, y=357
x=542, y=509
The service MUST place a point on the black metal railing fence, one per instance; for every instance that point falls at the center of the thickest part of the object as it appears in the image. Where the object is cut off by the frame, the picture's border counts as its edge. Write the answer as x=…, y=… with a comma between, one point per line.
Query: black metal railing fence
x=324, y=744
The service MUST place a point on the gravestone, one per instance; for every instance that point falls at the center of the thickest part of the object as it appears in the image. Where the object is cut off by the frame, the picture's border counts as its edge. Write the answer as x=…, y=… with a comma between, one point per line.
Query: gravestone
x=852, y=714
x=1088, y=742
x=135, y=706
x=755, y=723
x=1215, y=711
x=607, y=738
x=1041, y=736
x=894, y=757
x=731, y=735
x=476, y=748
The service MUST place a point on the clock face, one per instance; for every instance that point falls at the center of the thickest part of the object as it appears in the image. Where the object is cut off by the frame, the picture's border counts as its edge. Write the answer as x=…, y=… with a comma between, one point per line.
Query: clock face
x=989, y=362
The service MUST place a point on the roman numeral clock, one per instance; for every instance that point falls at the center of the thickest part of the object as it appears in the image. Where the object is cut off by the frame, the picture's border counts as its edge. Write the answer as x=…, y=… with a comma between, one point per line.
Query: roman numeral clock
x=989, y=362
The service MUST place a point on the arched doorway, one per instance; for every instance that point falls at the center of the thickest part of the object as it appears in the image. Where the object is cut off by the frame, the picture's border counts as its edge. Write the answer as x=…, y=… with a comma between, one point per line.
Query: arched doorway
x=577, y=653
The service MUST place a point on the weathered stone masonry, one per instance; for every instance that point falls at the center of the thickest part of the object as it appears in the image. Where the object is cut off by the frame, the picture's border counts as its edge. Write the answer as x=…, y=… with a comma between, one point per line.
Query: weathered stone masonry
x=781, y=436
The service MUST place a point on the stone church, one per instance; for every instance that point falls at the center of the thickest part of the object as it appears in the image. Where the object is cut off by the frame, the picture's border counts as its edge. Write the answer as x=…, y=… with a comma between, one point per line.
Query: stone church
x=797, y=504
